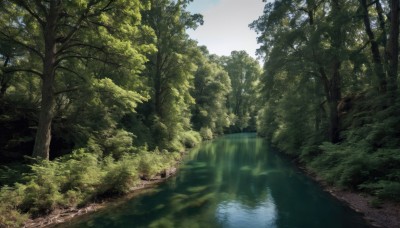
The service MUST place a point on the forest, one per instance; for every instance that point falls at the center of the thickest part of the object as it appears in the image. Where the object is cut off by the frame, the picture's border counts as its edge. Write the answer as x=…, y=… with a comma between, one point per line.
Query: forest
x=96, y=95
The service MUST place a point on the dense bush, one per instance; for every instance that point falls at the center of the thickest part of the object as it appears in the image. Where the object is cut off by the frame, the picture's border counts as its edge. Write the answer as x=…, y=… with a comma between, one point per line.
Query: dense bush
x=190, y=139
x=10, y=215
x=358, y=166
x=206, y=133
x=76, y=179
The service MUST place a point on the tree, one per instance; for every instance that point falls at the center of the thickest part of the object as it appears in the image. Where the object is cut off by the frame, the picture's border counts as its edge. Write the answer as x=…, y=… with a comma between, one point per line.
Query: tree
x=379, y=38
x=57, y=32
x=393, y=48
x=308, y=39
x=244, y=72
x=211, y=89
x=171, y=69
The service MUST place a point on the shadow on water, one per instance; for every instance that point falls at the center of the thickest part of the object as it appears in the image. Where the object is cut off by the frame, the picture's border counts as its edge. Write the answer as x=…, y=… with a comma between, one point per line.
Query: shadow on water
x=234, y=181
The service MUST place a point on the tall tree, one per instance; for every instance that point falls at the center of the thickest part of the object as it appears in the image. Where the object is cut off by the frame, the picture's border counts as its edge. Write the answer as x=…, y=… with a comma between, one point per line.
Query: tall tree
x=383, y=37
x=171, y=69
x=374, y=45
x=307, y=39
x=57, y=32
x=393, y=48
x=211, y=89
x=244, y=72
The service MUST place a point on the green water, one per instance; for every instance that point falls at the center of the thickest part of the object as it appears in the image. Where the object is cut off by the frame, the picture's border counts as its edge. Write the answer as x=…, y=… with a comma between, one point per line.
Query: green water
x=234, y=181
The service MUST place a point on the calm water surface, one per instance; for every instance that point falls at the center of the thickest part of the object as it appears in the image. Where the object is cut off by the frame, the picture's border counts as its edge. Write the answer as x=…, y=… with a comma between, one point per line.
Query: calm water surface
x=234, y=181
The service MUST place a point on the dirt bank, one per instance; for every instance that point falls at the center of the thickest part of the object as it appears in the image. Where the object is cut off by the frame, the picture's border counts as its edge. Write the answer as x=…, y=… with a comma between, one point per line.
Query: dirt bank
x=387, y=215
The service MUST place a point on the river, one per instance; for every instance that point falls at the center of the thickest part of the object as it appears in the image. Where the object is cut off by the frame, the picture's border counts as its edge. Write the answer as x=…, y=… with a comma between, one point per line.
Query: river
x=234, y=181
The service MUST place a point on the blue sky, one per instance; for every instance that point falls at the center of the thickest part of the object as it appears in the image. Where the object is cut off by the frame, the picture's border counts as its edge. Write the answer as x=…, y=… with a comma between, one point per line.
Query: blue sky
x=226, y=23
x=199, y=6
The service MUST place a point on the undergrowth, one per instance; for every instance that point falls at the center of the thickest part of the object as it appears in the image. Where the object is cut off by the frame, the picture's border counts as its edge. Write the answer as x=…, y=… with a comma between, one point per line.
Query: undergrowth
x=77, y=179
x=368, y=158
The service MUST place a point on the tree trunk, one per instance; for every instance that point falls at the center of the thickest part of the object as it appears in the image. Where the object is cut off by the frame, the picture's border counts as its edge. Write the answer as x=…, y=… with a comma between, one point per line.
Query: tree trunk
x=376, y=56
x=335, y=96
x=393, y=48
x=335, y=82
x=157, y=85
x=4, y=81
x=43, y=135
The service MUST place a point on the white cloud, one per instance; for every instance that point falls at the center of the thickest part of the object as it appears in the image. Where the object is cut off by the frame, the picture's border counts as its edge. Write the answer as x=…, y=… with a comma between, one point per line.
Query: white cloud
x=226, y=28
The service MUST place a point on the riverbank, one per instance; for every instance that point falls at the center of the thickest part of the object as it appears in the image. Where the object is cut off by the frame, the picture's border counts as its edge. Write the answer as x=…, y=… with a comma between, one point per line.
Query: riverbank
x=384, y=215
x=387, y=214
x=64, y=215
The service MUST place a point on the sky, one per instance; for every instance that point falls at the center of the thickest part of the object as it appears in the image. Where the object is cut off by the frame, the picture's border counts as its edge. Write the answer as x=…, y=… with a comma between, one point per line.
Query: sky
x=226, y=23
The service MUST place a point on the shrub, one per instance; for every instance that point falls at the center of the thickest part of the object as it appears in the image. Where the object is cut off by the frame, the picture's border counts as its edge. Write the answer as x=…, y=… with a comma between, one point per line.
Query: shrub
x=10, y=215
x=175, y=145
x=358, y=166
x=190, y=139
x=118, y=144
x=42, y=192
x=150, y=165
x=81, y=171
x=153, y=163
x=383, y=189
x=206, y=133
x=76, y=179
x=121, y=176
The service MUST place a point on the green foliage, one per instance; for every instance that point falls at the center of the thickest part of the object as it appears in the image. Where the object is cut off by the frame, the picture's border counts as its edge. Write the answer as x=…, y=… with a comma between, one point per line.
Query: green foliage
x=206, y=133
x=121, y=175
x=244, y=73
x=78, y=178
x=384, y=189
x=170, y=72
x=101, y=57
x=321, y=84
x=190, y=139
x=357, y=166
x=266, y=122
x=153, y=163
x=10, y=215
x=122, y=98
x=211, y=88
x=125, y=81
x=118, y=144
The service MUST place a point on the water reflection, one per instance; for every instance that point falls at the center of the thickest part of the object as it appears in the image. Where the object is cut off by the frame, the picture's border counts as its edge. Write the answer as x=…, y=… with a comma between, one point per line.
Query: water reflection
x=236, y=214
x=234, y=181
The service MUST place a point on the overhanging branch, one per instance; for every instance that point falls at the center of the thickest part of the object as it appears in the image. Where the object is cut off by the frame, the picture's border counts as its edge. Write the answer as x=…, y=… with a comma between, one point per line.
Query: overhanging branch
x=13, y=70
x=26, y=46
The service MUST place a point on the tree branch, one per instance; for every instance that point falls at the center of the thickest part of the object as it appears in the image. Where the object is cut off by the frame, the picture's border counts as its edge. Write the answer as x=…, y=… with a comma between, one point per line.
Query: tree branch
x=11, y=70
x=105, y=8
x=32, y=49
x=86, y=57
x=76, y=27
x=67, y=90
x=41, y=6
x=24, y=5
x=371, y=3
x=71, y=71
x=62, y=51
